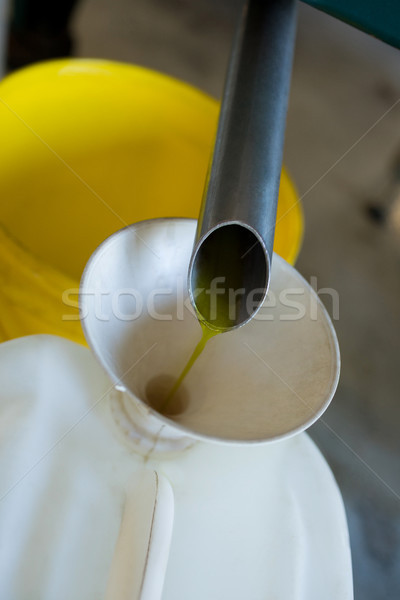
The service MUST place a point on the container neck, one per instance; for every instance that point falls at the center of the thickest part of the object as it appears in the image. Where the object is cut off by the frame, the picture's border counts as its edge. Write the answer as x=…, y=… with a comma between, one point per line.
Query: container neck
x=143, y=430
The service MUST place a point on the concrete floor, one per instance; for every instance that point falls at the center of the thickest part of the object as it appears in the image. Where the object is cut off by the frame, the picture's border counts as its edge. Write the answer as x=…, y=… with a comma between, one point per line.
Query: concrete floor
x=342, y=137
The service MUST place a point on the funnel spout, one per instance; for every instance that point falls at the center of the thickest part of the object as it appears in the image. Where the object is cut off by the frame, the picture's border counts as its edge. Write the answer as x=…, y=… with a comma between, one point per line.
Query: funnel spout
x=236, y=227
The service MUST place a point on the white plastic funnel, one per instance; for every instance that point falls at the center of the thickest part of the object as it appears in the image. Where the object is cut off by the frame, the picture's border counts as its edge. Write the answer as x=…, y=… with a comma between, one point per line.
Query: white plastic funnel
x=269, y=379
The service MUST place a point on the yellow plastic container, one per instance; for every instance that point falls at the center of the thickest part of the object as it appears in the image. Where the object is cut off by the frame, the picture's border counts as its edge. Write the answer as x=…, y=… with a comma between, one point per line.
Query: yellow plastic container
x=88, y=147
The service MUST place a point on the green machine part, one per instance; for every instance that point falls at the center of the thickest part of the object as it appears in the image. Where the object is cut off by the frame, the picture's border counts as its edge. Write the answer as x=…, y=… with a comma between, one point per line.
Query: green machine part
x=381, y=18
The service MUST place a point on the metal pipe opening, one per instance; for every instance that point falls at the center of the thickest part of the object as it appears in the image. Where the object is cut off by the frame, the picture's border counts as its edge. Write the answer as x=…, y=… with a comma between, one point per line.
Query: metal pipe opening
x=228, y=276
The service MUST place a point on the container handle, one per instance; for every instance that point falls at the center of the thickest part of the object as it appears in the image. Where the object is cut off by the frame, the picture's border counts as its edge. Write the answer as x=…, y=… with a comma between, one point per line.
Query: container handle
x=141, y=554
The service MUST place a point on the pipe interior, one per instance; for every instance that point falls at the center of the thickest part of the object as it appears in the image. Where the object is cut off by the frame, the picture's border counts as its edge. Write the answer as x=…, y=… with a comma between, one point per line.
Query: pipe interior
x=229, y=276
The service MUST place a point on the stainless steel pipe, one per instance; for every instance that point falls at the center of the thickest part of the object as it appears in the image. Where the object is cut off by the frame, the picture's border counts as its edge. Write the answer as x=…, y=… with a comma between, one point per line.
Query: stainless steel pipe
x=231, y=261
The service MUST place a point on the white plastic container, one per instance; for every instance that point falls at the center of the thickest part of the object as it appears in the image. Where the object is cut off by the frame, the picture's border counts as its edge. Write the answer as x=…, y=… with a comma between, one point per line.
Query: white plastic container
x=259, y=522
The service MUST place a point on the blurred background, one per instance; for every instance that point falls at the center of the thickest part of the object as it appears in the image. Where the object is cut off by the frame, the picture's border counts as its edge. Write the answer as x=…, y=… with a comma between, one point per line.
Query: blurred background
x=343, y=153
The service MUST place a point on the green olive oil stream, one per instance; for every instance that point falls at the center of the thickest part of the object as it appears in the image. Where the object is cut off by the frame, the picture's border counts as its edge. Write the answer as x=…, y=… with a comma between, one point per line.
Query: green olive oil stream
x=207, y=334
